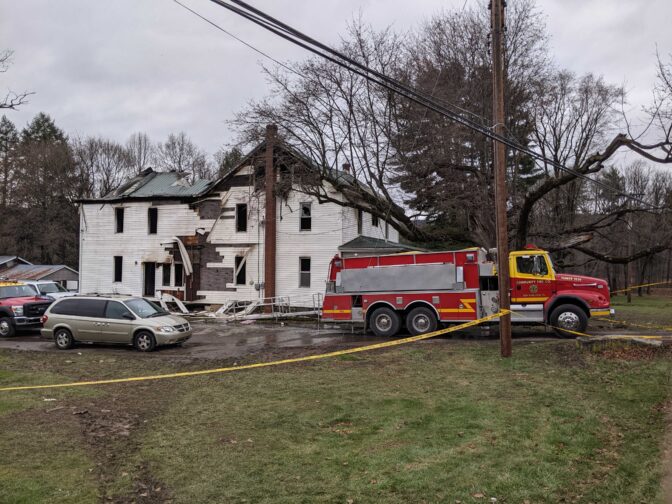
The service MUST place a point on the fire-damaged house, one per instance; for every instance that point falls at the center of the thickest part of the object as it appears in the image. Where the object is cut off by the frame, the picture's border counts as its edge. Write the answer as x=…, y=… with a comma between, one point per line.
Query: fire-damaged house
x=218, y=241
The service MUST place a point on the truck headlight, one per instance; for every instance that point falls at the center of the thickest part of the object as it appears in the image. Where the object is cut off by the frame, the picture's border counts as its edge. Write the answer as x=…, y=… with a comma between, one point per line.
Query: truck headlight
x=167, y=329
x=18, y=311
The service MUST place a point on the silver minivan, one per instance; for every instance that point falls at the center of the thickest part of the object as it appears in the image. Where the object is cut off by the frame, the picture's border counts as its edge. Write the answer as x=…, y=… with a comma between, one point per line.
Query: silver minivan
x=124, y=320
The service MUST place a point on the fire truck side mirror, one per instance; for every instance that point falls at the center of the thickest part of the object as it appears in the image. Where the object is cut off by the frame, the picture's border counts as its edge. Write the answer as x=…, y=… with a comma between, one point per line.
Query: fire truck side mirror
x=536, y=266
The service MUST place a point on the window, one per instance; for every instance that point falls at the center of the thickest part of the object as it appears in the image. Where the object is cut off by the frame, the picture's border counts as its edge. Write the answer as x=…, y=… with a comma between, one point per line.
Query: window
x=241, y=266
x=165, y=275
x=304, y=271
x=306, y=223
x=387, y=230
x=531, y=265
x=143, y=308
x=116, y=310
x=360, y=216
x=374, y=220
x=153, y=219
x=241, y=218
x=80, y=307
x=119, y=219
x=118, y=268
x=179, y=275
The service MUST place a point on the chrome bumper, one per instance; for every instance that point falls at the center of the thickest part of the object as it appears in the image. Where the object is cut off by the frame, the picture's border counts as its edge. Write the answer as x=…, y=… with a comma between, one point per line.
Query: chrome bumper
x=27, y=321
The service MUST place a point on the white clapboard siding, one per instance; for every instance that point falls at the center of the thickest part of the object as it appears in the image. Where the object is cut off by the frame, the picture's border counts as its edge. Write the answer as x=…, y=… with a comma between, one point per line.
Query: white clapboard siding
x=332, y=225
x=100, y=243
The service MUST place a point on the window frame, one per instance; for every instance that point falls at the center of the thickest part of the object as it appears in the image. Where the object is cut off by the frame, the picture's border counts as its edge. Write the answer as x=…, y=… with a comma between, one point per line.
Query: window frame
x=119, y=222
x=240, y=262
x=238, y=221
x=374, y=221
x=155, y=212
x=303, y=272
x=360, y=221
x=166, y=268
x=118, y=273
x=178, y=278
x=309, y=218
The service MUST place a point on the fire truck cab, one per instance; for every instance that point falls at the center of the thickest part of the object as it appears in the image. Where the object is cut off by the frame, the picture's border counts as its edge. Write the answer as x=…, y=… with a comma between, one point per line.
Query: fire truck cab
x=424, y=290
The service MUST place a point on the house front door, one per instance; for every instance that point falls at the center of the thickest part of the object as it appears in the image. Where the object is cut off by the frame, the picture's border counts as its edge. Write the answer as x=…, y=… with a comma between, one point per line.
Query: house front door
x=150, y=279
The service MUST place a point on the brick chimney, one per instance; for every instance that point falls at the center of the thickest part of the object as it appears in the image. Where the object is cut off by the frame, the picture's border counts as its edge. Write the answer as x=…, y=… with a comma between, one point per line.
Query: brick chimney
x=270, y=230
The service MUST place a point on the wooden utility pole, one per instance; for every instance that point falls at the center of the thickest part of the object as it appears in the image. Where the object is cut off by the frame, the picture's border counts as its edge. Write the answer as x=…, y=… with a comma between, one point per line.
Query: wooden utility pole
x=499, y=162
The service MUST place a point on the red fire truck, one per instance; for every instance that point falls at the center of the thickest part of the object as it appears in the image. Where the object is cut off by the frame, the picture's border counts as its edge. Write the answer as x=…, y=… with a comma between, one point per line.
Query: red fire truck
x=424, y=290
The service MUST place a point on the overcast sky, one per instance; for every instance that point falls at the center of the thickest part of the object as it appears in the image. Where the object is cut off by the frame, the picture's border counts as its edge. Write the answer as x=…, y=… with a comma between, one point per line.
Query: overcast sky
x=115, y=67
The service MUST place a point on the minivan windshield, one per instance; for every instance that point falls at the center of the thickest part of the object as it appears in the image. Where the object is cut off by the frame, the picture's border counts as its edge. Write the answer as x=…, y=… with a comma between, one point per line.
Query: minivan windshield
x=144, y=309
x=50, y=288
x=15, y=291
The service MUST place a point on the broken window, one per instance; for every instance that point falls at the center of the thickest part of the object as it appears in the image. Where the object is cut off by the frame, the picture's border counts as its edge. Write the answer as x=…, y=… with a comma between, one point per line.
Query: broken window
x=360, y=218
x=304, y=271
x=153, y=220
x=241, y=217
x=374, y=220
x=241, y=267
x=179, y=275
x=118, y=266
x=166, y=274
x=306, y=223
x=119, y=219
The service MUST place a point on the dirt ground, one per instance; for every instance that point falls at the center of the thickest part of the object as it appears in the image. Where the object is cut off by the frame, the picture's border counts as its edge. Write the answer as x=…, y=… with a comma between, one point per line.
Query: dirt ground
x=218, y=340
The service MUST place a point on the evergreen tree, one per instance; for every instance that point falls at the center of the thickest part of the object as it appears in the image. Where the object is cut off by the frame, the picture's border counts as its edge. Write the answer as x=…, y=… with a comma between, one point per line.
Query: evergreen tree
x=9, y=139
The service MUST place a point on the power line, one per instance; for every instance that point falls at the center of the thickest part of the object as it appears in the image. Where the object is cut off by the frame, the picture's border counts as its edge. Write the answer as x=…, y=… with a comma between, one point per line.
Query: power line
x=298, y=38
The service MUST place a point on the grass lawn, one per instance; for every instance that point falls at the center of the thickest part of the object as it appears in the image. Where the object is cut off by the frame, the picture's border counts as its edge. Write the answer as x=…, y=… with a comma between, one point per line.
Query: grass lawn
x=656, y=310
x=432, y=422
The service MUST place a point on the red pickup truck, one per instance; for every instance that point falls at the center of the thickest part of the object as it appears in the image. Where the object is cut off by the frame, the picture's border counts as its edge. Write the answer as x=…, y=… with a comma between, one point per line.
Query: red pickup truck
x=20, y=307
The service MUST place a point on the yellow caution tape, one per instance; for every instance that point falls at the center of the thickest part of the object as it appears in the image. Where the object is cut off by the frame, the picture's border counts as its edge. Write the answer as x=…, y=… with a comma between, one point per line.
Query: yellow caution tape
x=643, y=325
x=641, y=285
x=376, y=346
x=584, y=335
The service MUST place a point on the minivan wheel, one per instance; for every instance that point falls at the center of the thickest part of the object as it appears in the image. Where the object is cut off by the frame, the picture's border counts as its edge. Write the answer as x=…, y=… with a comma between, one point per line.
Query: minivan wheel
x=144, y=341
x=63, y=339
x=6, y=327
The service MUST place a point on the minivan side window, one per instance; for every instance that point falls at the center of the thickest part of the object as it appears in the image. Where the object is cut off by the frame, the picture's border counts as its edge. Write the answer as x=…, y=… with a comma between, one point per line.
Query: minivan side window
x=65, y=307
x=116, y=310
x=80, y=307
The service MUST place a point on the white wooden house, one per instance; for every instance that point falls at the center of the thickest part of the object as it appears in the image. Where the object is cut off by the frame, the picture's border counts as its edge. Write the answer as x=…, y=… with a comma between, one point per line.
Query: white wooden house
x=211, y=242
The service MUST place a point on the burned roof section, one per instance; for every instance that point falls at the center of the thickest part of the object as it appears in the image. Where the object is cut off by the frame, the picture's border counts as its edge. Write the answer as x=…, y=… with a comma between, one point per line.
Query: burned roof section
x=149, y=185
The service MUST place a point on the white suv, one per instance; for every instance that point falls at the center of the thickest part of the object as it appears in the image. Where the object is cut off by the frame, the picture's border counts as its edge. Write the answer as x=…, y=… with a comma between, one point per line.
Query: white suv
x=48, y=288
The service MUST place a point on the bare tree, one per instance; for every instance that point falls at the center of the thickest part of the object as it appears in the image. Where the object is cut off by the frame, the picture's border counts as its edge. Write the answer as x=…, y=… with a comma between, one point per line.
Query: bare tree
x=335, y=117
x=140, y=151
x=180, y=154
x=11, y=100
x=104, y=164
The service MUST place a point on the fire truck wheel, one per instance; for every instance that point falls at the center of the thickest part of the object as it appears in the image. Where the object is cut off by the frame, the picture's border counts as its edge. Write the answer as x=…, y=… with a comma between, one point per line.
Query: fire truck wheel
x=569, y=317
x=421, y=320
x=6, y=327
x=385, y=322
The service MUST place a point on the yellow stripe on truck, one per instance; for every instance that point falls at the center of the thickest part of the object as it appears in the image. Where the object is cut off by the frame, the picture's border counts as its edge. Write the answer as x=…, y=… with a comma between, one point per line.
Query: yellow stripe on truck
x=336, y=311
x=529, y=300
x=467, y=302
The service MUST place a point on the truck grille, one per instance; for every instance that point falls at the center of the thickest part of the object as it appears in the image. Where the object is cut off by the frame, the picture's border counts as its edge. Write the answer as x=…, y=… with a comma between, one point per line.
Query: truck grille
x=35, y=309
x=182, y=327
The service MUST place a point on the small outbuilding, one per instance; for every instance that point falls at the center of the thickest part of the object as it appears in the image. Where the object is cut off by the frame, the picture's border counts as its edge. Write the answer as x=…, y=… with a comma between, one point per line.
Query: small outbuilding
x=17, y=268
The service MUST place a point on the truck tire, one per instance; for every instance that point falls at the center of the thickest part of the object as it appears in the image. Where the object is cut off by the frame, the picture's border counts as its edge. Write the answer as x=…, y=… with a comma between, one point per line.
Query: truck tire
x=421, y=320
x=569, y=317
x=6, y=327
x=385, y=322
